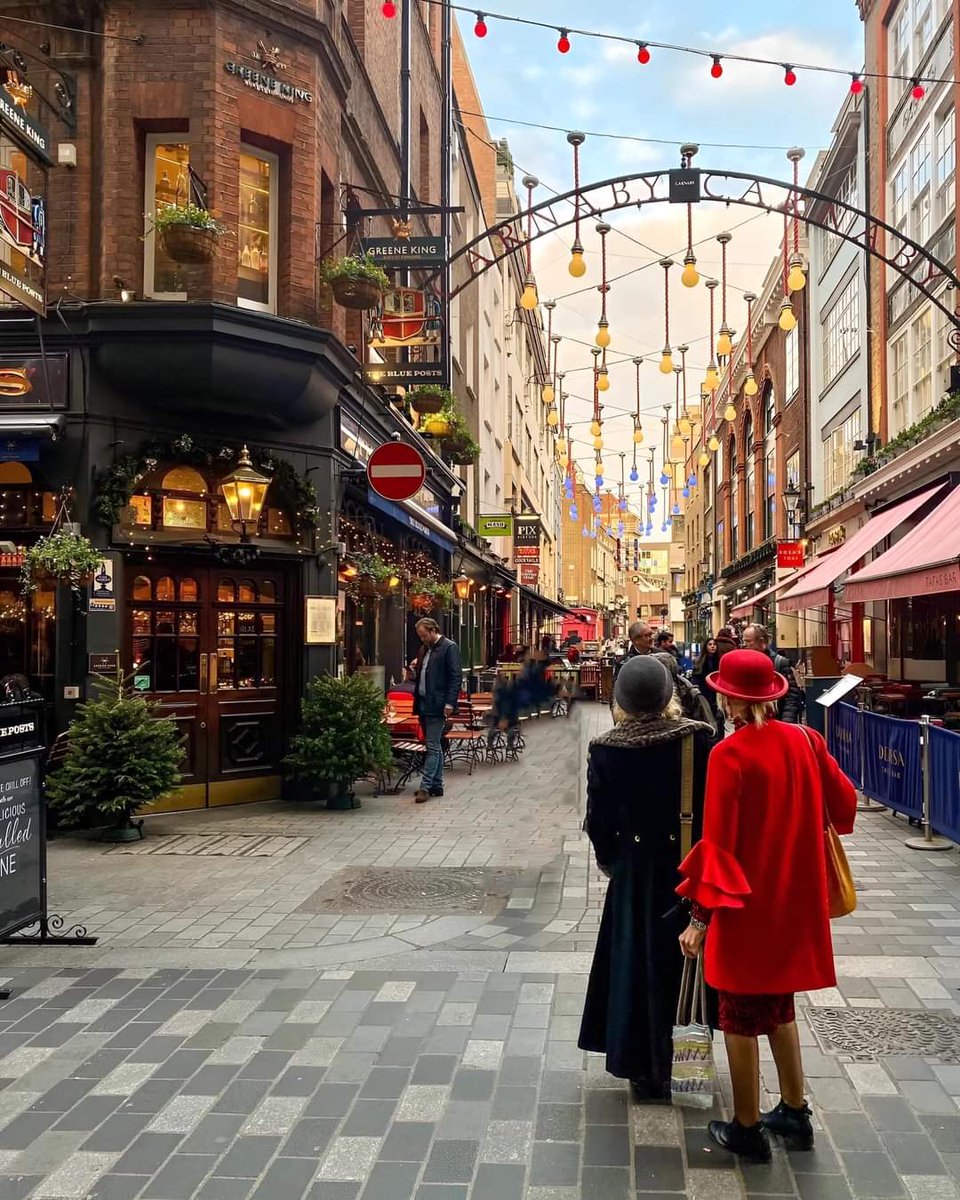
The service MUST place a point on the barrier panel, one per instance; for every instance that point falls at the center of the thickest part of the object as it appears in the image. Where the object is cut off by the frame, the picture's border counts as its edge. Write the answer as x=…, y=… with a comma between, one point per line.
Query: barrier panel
x=846, y=741
x=891, y=763
x=943, y=766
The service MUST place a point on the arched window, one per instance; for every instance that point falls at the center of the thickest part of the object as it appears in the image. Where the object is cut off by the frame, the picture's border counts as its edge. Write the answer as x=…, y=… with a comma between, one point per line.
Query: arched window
x=750, y=485
x=184, y=500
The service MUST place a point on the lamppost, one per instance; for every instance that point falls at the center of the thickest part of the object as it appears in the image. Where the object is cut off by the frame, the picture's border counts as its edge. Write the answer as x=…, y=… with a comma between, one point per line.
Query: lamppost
x=244, y=489
x=793, y=503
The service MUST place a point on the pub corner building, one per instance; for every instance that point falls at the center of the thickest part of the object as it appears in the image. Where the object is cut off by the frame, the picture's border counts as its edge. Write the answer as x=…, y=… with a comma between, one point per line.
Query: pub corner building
x=131, y=382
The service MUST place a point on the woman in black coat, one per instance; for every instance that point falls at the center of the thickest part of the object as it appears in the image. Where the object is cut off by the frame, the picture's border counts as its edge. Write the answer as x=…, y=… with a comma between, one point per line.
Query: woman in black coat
x=706, y=664
x=634, y=800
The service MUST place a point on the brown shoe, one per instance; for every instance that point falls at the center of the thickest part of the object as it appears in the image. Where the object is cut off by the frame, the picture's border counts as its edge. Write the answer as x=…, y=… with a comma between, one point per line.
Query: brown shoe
x=421, y=796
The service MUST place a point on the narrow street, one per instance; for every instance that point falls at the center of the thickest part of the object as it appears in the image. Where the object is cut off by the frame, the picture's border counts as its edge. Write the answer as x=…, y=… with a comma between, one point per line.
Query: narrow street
x=385, y=1004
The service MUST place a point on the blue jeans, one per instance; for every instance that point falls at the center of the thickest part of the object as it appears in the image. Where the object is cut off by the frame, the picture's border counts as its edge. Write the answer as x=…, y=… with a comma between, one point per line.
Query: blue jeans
x=433, y=764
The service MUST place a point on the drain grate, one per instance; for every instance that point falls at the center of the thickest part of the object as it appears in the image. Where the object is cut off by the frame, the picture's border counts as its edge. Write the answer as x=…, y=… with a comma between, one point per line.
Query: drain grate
x=216, y=845
x=880, y=1032
x=442, y=890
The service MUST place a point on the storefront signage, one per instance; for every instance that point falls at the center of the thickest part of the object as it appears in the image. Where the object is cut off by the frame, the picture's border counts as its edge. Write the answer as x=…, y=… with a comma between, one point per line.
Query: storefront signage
x=409, y=317
x=789, y=554
x=891, y=762
x=103, y=664
x=406, y=375
x=141, y=683
x=260, y=81
x=20, y=450
x=33, y=383
x=406, y=252
x=530, y=574
x=23, y=128
x=21, y=892
x=495, y=525
x=18, y=288
x=526, y=531
x=527, y=554
x=320, y=621
x=103, y=596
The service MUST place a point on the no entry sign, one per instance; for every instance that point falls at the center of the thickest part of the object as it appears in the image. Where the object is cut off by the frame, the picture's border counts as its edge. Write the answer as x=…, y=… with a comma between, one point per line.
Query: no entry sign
x=396, y=471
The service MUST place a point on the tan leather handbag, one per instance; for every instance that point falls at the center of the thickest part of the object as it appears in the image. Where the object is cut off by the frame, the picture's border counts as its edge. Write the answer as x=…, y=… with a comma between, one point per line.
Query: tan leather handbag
x=841, y=891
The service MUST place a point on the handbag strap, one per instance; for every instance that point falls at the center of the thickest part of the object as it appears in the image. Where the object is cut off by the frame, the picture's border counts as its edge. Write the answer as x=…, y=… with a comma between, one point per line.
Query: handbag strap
x=692, y=1002
x=827, y=823
x=686, y=796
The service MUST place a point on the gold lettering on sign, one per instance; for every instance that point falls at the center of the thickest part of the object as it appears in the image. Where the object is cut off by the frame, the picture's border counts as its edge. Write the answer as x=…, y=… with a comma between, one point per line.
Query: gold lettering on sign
x=891, y=755
x=14, y=381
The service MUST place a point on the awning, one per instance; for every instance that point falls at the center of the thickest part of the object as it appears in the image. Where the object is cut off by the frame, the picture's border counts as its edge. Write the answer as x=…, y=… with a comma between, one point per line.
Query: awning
x=815, y=587
x=747, y=606
x=924, y=562
x=416, y=518
x=551, y=606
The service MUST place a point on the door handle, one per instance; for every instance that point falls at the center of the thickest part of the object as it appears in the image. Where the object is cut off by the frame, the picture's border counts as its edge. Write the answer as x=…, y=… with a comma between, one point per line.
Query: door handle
x=214, y=672
x=204, y=671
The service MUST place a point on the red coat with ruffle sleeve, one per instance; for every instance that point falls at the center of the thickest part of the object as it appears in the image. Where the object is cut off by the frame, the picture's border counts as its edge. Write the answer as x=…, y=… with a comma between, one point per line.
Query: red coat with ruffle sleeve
x=761, y=865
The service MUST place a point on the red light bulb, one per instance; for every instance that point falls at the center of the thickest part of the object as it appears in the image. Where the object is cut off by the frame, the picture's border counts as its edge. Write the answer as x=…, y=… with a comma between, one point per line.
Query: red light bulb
x=717, y=69
x=389, y=9
x=919, y=91
x=643, y=55
x=563, y=45
x=856, y=85
x=480, y=29
x=789, y=76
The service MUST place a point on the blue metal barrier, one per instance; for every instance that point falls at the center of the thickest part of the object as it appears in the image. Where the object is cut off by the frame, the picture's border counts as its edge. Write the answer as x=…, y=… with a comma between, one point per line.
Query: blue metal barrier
x=943, y=765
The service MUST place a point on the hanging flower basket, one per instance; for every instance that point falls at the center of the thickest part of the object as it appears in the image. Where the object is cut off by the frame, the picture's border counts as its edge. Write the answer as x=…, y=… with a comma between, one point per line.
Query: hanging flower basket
x=63, y=557
x=188, y=245
x=385, y=587
x=421, y=602
x=460, y=451
x=428, y=595
x=356, y=293
x=366, y=585
x=436, y=425
x=427, y=400
x=356, y=281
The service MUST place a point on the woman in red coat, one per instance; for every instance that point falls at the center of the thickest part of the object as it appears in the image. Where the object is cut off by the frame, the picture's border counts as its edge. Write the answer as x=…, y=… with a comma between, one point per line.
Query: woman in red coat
x=758, y=880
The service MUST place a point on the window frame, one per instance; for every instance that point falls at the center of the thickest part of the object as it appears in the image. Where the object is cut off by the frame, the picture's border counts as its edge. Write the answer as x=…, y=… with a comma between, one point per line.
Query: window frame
x=151, y=143
x=272, y=229
x=843, y=314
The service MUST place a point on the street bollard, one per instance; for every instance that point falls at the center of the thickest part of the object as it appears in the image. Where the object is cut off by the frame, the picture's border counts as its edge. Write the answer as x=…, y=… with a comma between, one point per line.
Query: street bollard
x=929, y=841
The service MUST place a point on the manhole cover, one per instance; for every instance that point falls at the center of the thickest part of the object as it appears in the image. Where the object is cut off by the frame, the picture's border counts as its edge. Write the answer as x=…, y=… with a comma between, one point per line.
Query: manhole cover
x=878, y=1032
x=442, y=890
x=230, y=845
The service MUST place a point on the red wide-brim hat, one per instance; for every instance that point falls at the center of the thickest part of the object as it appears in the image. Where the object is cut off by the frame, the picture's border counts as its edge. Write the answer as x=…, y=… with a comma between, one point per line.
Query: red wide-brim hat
x=748, y=675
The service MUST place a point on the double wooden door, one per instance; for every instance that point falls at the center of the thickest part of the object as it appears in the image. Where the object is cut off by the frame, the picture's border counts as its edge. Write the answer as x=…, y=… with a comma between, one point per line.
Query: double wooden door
x=210, y=645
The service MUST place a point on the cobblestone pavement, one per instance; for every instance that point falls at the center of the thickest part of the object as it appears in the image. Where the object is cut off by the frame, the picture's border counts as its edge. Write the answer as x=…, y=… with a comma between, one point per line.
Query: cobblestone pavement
x=236, y=1032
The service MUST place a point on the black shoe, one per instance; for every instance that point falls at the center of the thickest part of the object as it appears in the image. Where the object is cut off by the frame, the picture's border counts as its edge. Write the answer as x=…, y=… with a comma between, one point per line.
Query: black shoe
x=794, y=1125
x=645, y=1092
x=436, y=791
x=749, y=1142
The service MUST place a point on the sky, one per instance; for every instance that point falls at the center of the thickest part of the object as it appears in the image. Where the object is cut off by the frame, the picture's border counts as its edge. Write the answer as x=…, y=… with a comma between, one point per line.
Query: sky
x=743, y=121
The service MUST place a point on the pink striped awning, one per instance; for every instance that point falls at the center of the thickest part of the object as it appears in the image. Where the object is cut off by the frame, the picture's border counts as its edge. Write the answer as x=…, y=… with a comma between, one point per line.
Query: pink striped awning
x=815, y=588
x=925, y=561
x=746, y=607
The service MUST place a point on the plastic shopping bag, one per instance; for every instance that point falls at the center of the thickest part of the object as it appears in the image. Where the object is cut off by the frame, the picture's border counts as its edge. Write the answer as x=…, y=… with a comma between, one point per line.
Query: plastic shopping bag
x=693, y=1077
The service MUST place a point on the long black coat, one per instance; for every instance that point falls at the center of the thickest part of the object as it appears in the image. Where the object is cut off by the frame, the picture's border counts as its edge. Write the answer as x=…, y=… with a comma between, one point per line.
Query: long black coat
x=633, y=821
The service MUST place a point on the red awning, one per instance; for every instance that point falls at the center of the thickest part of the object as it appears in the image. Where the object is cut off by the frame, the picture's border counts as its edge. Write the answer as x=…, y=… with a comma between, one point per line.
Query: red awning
x=925, y=561
x=815, y=588
x=746, y=607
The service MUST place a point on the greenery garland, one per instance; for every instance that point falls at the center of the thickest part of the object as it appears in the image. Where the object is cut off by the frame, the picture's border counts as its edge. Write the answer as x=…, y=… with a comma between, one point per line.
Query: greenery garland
x=116, y=484
x=946, y=410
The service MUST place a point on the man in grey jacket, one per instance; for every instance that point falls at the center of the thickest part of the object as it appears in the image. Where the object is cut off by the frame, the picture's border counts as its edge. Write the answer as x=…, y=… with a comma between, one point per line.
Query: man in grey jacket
x=790, y=708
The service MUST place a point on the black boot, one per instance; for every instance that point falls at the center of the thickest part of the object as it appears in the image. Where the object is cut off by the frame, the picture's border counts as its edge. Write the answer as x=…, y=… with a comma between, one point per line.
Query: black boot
x=794, y=1125
x=748, y=1141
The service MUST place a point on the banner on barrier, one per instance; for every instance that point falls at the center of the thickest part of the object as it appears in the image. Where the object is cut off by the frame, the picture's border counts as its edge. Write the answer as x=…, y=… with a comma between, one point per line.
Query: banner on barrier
x=845, y=741
x=891, y=763
x=944, y=767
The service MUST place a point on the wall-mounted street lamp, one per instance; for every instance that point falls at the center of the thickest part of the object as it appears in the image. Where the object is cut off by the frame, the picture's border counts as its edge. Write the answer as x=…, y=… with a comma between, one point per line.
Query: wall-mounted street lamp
x=462, y=586
x=792, y=502
x=244, y=491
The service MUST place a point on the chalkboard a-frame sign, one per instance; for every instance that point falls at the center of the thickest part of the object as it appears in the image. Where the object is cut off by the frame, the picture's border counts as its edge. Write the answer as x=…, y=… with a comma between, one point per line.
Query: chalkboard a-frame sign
x=21, y=820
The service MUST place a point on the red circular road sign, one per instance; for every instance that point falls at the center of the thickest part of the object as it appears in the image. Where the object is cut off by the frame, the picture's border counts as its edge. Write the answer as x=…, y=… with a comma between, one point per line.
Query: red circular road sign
x=396, y=471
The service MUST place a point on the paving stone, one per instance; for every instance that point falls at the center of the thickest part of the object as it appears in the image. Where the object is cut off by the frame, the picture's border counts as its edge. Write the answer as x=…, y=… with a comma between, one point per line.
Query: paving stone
x=555, y=1163
x=391, y=1181
x=213, y=1135
x=332, y=1100
x=180, y=1177
x=434, y=1068
x=472, y=1084
x=871, y=1174
x=247, y=1158
x=944, y=1131
x=926, y=1097
x=286, y=1178
x=559, y=1122
x=408, y=1141
x=451, y=1162
x=891, y=1113
x=147, y=1154
x=117, y=1187
x=823, y=1187
x=931, y=1187
x=913, y=1154
x=658, y=1169
x=309, y=1138
x=852, y=1131
x=349, y=1158
x=499, y=1181
x=75, y=1177
x=512, y=1103
x=117, y=1132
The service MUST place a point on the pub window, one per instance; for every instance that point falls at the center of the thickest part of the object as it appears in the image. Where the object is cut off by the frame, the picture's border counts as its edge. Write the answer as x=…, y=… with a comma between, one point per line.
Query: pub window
x=257, y=231
x=184, y=500
x=167, y=181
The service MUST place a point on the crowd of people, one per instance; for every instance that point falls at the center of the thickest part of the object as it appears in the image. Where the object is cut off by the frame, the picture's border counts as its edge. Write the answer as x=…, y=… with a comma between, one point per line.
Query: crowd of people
x=707, y=805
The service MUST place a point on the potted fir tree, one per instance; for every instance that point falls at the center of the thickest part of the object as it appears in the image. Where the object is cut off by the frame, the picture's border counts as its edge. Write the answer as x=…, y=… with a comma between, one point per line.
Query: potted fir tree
x=189, y=234
x=356, y=281
x=61, y=557
x=121, y=756
x=342, y=738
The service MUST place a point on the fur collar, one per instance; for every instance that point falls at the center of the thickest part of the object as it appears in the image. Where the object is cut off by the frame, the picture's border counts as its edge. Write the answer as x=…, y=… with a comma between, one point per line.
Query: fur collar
x=650, y=730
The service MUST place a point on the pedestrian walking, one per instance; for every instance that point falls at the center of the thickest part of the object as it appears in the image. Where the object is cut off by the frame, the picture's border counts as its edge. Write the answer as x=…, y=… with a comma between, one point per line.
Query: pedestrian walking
x=693, y=703
x=645, y=781
x=790, y=708
x=667, y=644
x=758, y=884
x=706, y=664
x=435, y=697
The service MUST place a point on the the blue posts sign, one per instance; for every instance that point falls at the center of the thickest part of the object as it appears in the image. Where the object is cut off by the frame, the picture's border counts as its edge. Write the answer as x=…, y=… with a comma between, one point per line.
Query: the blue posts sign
x=891, y=763
x=944, y=767
x=845, y=741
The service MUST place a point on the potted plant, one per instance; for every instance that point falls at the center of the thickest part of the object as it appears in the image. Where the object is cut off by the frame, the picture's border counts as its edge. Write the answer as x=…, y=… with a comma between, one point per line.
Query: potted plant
x=189, y=233
x=375, y=576
x=342, y=738
x=430, y=398
x=356, y=281
x=435, y=425
x=122, y=756
x=428, y=595
x=61, y=557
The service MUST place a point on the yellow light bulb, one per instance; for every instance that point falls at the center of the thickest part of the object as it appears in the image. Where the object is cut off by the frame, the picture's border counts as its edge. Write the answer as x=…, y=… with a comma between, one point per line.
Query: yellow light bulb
x=788, y=319
x=712, y=381
x=603, y=381
x=796, y=280
x=729, y=413
x=598, y=443
x=676, y=449
x=684, y=426
x=561, y=447
x=594, y=428
x=529, y=298
x=603, y=337
x=668, y=469
x=577, y=267
x=690, y=276
x=553, y=418
x=714, y=444
x=704, y=458
x=548, y=395
x=724, y=344
x=666, y=362
x=638, y=436
x=750, y=386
